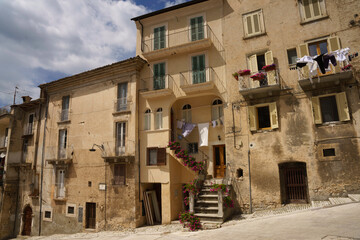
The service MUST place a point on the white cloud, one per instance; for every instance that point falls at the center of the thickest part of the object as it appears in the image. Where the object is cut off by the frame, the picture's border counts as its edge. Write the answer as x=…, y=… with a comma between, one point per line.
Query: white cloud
x=172, y=3
x=63, y=37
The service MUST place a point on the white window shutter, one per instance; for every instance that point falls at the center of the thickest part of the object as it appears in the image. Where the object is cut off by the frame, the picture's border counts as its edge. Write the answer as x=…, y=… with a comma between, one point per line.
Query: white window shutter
x=315, y=102
x=333, y=43
x=342, y=107
x=271, y=76
x=273, y=116
x=303, y=50
x=253, y=63
x=252, y=118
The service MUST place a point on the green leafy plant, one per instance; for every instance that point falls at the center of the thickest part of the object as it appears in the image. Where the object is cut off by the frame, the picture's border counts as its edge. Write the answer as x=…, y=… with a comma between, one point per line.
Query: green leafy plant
x=190, y=221
x=227, y=200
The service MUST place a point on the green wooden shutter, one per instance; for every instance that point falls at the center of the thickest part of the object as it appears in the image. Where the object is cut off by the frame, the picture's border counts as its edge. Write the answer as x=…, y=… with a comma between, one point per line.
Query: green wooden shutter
x=156, y=38
x=342, y=107
x=193, y=29
x=162, y=37
x=315, y=102
x=195, y=69
x=200, y=28
x=273, y=116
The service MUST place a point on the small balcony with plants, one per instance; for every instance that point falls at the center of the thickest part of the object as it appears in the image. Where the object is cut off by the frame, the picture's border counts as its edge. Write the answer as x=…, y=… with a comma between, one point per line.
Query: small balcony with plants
x=157, y=86
x=189, y=39
x=258, y=84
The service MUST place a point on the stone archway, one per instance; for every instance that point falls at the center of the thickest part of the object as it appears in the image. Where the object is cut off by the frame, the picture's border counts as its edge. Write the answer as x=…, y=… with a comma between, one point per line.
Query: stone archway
x=27, y=221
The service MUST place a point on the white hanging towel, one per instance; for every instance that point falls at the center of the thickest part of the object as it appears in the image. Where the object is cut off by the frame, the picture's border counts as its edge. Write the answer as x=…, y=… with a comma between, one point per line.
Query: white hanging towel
x=203, y=134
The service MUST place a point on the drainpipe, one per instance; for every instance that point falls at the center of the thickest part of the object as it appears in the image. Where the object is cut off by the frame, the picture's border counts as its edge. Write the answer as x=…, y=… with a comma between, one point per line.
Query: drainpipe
x=142, y=36
x=42, y=163
x=249, y=181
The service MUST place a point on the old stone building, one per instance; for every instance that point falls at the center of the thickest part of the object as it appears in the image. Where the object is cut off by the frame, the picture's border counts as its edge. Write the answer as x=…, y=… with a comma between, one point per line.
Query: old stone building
x=219, y=77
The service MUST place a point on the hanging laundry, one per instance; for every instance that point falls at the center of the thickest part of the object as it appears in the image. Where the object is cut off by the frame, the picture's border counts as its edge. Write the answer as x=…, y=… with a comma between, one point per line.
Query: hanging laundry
x=327, y=58
x=213, y=123
x=187, y=129
x=222, y=120
x=313, y=68
x=341, y=55
x=203, y=134
x=180, y=124
x=301, y=62
x=319, y=60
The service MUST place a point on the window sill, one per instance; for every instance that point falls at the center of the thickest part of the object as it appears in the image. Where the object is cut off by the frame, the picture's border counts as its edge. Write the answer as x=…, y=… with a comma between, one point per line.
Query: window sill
x=263, y=130
x=60, y=199
x=331, y=124
x=157, y=130
x=255, y=35
x=303, y=22
x=64, y=122
x=121, y=112
x=119, y=185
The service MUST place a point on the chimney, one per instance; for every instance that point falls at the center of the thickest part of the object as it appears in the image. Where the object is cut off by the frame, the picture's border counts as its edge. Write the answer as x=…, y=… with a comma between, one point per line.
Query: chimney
x=26, y=99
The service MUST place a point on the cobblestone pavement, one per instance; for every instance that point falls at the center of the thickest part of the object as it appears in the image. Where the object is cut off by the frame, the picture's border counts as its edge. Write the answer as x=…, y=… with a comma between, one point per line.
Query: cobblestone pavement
x=336, y=222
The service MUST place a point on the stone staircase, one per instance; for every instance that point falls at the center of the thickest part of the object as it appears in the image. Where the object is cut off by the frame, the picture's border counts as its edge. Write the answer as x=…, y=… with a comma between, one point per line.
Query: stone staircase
x=209, y=206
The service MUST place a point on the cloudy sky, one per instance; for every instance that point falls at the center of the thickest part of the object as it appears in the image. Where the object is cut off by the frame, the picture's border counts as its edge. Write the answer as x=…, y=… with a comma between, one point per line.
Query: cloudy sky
x=44, y=40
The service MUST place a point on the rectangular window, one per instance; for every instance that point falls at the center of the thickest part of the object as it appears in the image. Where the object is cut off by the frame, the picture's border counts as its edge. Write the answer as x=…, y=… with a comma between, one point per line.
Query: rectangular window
x=197, y=28
x=263, y=116
x=122, y=97
x=159, y=119
x=60, y=183
x=65, y=108
x=198, y=69
x=311, y=9
x=28, y=129
x=25, y=149
x=156, y=156
x=120, y=137
x=253, y=23
x=159, y=76
x=62, y=143
x=47, y=214
x=159, y=37
x=71, y=210
x=192, y=148
x=147, y=120
x=119, y=174
x=330, y=108
x=329, y=152
x=292, y=56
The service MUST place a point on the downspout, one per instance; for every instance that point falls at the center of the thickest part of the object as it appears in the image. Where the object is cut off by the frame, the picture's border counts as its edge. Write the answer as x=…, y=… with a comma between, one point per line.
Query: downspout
x=142, y=37
x=250, y=197
x=42, y=163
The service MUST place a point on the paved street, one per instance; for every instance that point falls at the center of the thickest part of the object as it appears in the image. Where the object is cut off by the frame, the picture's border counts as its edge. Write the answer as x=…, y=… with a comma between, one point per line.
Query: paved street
x=338, y=222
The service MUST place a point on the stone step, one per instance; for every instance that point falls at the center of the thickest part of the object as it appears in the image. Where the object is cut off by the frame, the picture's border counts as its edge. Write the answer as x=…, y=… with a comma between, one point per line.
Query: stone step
x=202, y=201
x=340, y=200
x=209, y=218
x=354, y=197
x=199, y=208
x=316, y=204
x=208, y=196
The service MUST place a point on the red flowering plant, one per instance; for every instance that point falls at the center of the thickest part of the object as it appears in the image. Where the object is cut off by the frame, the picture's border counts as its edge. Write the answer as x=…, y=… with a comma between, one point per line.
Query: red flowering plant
x=190, y=221
x=228, y=202
x=244, y=72
x=187, y=160
x=258, y=76
x=347, y=67
x=269, y=67
x=190, y=188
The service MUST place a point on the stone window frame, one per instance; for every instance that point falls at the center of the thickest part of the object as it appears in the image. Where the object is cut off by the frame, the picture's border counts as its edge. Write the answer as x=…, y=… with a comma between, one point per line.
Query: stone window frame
x=261, y=23
x=321, y=6
x=321, y=147
x=67, y=207
x=48, y=209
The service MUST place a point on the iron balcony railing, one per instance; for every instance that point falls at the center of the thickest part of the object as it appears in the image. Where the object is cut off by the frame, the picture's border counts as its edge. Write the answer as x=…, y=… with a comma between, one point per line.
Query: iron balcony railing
x=121, y=104
x=157, y=83
x=28, y=129
x=198, y=76
x=270, y=78
x=64, y=115
x=176, y=38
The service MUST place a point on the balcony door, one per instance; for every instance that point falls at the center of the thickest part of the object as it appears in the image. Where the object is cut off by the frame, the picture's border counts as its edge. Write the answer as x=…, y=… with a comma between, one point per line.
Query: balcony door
x=219, y=161
x=159, y=38
x=198, y=69
x=60, y=183
x=122, y=97
x=197, y=28
x=159, y=76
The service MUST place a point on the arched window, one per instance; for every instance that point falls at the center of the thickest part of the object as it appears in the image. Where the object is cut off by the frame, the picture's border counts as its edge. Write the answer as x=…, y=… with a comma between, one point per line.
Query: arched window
x=217, y=110
x=147, y=119
x=186, y=113
x=158, y=119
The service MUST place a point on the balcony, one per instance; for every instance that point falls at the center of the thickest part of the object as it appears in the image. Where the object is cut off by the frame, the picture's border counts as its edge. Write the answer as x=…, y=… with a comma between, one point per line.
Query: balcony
x=180, y=42
x=192, y=82
x=155, y=87
x=28, y=129
x=335, y=76
x=64, y=115
x=121, y=105
x=267, y=86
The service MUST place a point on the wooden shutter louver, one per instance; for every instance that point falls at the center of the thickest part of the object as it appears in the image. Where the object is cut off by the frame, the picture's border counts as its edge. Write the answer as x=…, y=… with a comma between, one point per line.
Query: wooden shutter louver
x=303, y=50
x=315, y=102
x=252, y=118
x=342, y=107
x=273, y=116
x=271, y=75
x=161, y=156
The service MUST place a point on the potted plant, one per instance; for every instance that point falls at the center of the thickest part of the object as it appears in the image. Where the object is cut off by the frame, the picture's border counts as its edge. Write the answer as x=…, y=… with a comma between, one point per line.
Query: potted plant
x=270, y=67
x=347, y=67
x=236, y=75
x=258, y=76
x=244, y=72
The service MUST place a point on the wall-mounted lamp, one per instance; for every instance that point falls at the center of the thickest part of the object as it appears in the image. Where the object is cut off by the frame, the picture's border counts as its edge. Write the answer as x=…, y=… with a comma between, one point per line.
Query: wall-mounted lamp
x=101, y=147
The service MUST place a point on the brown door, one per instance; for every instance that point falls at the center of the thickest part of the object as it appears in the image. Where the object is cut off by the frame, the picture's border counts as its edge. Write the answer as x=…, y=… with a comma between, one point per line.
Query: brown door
x=219, y=161
x=27, y=219
x=294, y=182
x=90, y=215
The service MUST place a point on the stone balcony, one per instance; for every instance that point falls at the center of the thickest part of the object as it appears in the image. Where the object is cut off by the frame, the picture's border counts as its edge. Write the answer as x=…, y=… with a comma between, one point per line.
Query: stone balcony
x=156, y=87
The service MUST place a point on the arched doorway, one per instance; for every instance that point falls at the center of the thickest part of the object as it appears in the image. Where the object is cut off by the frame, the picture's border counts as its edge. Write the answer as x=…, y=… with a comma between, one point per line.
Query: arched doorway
x=293, y=182
x=27, y=220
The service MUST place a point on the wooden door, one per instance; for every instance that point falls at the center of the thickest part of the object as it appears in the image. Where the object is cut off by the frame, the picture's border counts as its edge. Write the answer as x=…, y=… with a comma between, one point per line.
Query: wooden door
x=219, y=161
x=294, y=182
x=90, y=215
x=27, y=219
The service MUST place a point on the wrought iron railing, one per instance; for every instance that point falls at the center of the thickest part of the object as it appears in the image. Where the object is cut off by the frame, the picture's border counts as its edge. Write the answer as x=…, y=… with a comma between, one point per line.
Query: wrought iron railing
x=269, y=78
x=121, y=104
x=198, y=76
x=157, y=83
